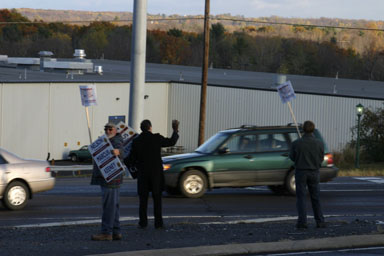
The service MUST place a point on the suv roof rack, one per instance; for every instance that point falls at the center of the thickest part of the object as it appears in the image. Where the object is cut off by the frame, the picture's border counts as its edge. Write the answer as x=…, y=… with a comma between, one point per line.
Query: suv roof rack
x=256, y=127
x=248, y=126
x=292, y=124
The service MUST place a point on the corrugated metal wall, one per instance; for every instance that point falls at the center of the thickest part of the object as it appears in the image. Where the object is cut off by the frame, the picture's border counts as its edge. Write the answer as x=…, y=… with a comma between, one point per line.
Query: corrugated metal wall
x=232, y=107
x=37, y=118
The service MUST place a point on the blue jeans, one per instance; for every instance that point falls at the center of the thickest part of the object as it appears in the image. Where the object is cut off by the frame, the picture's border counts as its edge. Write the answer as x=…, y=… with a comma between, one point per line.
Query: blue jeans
x=110, y=223
x=310, y=178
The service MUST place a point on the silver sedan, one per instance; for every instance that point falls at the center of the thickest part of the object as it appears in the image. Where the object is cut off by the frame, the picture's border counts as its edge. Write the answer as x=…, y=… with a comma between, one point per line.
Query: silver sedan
x=21, y=178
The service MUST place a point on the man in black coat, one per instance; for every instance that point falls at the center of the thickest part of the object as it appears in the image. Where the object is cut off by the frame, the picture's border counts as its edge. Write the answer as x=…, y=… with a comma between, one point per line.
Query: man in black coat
x=308, y=154
x=146, y=156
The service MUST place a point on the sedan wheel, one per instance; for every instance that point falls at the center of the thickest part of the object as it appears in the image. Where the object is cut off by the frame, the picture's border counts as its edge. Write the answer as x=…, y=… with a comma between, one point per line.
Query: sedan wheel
x=193, y=184
x=16, y=196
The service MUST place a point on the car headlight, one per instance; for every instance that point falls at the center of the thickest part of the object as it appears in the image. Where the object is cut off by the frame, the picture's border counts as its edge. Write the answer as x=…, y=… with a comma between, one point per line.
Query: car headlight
x=166, y=167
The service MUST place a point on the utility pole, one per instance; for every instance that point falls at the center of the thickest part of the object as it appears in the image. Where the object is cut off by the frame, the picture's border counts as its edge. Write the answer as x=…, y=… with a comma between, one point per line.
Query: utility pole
x=203, y=94
x=138, y=51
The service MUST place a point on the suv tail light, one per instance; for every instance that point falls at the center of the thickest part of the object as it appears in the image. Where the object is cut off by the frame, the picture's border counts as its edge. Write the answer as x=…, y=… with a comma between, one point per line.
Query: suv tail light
x=166, y=167
x=329, y=159
x=47, y=169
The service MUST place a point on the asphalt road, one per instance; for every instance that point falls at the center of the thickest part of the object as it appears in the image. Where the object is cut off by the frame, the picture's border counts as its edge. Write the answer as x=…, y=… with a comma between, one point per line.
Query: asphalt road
x=73, y=199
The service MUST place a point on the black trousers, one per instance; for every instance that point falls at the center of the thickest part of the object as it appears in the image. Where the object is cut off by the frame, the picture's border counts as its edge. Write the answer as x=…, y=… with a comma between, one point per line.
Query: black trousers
x=157, y=209
x=310, y=179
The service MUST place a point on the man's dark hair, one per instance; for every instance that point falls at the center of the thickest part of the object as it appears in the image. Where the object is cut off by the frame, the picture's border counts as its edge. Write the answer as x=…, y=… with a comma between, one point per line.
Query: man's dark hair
x=145, y=125
x=308, y=127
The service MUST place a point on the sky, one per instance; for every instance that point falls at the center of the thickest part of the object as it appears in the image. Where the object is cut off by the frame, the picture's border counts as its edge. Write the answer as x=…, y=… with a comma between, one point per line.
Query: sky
x=344, y=9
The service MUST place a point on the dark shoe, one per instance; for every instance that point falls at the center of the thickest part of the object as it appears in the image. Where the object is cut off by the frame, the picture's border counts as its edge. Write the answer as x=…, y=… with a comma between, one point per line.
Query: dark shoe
x=159, y=224
x=301, y=226
x=321, y=225
x=117, y=236
x=142, y=226
x=102, y=237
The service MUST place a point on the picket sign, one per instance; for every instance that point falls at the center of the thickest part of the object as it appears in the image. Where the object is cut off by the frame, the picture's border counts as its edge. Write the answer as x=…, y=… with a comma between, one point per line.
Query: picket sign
x=88, y=98
x=287, y=94
x=110, y=165
x=128, y=134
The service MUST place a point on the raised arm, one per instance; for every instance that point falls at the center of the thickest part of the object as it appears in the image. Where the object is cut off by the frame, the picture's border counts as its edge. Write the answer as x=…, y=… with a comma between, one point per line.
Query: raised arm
x=168, y=142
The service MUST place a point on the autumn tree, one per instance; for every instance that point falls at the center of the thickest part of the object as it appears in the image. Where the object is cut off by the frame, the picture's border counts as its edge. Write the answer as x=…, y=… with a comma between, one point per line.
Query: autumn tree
x=371, y=135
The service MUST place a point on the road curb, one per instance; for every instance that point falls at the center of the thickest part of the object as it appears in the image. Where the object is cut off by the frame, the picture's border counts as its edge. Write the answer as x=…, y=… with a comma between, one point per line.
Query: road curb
x=330, y=243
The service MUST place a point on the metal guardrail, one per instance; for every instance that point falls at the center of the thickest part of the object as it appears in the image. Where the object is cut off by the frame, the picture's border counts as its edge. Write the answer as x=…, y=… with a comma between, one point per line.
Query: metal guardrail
x=67, y=168
x=71, y=168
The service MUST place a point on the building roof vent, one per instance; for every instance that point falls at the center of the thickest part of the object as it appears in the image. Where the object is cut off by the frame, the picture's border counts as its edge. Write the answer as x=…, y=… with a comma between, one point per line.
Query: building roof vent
x=98, y=70
x=45, y=53
x=79, y=54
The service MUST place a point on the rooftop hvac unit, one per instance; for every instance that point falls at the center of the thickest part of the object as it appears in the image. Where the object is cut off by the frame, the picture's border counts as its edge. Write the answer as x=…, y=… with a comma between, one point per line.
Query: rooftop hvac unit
x=98, y=69
x=79, y=54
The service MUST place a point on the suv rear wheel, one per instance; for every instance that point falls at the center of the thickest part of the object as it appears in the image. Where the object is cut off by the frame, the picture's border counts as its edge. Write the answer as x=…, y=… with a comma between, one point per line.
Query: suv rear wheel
x=290, y=183
x=193, y=184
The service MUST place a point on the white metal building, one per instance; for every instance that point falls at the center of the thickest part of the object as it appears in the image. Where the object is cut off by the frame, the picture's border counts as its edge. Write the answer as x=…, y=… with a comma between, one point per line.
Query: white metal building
x=41, y=112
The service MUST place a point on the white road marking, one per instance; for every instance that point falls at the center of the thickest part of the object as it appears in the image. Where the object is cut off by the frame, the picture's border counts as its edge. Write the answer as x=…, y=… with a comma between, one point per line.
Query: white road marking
x=263, y=220
x=68, y=223
x=97, y=220
x=371, y=179
x=225, y=220
x=351, y=190
x=242, y=219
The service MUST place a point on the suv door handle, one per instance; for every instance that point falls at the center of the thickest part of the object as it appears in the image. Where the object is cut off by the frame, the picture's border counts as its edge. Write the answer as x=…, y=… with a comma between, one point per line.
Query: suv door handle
x=284, y=154
x=248, y=156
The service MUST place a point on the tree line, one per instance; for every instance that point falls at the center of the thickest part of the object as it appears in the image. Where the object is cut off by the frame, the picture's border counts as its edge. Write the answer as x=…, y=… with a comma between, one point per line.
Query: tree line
x=289, y=49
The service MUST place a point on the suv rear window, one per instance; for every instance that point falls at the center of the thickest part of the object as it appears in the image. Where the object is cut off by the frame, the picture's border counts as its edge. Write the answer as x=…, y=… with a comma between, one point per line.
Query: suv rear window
x=293, y=136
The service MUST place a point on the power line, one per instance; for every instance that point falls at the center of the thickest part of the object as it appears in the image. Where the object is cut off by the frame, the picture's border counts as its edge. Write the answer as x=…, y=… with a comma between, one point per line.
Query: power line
x=200, y=18
x=299, y=25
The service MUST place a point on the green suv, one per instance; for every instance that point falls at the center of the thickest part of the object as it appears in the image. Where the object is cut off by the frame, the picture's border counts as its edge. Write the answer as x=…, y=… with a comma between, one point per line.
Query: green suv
x=240, y=157
x=81, y=154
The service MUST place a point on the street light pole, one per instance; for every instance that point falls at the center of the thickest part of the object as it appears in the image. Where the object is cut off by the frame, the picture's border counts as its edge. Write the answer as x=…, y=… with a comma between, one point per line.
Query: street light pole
x=138, y=51
x=359, y=109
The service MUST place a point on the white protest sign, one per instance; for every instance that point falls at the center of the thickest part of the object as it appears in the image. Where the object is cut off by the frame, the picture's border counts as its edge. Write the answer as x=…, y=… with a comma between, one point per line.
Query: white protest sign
x=286, y=92
x=110, y=165
x=88, y=95
x=128, y=134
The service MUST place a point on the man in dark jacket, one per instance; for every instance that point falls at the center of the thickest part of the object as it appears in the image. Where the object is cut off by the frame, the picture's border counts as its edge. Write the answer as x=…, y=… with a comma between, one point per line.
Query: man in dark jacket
x=308, y=154
x=146, y=156
x=110, y=222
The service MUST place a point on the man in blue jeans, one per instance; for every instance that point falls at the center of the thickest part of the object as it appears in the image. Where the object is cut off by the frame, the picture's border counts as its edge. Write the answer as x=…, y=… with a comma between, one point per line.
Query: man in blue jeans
x=110, y=221
x=308, y=154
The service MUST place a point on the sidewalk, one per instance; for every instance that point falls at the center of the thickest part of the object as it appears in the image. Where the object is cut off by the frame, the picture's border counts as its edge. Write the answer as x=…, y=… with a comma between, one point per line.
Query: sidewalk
x=271, y=247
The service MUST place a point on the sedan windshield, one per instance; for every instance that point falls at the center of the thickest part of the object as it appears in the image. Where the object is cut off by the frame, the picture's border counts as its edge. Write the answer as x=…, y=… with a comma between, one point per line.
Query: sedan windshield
x=212, y=143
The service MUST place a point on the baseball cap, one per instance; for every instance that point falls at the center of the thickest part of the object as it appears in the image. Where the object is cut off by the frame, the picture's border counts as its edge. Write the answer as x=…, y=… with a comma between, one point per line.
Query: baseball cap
x=110, y=125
